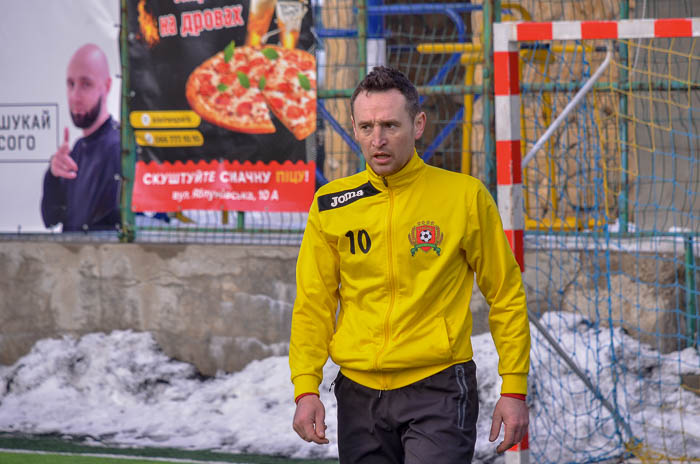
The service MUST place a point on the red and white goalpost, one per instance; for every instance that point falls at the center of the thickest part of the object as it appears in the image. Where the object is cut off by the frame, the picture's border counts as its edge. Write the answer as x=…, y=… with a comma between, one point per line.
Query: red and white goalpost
x=507, y=40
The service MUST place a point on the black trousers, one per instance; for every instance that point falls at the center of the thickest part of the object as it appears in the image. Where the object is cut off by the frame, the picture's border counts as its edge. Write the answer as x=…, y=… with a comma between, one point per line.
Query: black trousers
x=432, y=421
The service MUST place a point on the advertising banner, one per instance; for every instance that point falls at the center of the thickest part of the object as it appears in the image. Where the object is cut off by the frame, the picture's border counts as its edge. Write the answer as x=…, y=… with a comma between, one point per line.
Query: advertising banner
x=223, y=104
x=40, y=41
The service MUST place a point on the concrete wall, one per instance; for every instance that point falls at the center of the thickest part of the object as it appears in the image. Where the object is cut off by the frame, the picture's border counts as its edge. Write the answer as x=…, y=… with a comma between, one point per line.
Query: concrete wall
x=221, y=306
x=216, y=306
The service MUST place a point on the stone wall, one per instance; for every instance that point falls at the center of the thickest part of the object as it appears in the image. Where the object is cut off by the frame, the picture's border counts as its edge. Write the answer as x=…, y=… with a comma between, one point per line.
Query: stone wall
x=221, y=306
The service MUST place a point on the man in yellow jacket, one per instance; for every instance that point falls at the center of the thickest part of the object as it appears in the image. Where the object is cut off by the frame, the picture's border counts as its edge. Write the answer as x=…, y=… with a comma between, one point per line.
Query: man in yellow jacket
x=384, y=279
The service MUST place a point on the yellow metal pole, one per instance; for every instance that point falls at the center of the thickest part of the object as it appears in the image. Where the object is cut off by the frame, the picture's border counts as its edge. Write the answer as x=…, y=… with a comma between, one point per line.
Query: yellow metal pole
x=541, y=58
x=448, y=47
x=469, y=60
x=470, y=57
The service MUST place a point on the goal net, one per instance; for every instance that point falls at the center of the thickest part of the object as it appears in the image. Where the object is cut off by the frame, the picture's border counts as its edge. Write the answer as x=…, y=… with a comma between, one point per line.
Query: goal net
x=598, y=141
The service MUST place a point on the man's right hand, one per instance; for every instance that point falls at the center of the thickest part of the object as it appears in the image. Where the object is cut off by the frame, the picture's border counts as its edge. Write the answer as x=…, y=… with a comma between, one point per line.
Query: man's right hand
x=309, y=419
x=62, y=165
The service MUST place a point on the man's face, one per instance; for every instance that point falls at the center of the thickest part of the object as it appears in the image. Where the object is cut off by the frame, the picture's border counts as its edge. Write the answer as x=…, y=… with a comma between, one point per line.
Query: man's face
x=85, y=93
x=385, y=131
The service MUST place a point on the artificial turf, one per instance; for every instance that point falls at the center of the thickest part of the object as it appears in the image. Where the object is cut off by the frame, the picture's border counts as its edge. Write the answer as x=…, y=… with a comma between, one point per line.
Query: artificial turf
x=44, y=446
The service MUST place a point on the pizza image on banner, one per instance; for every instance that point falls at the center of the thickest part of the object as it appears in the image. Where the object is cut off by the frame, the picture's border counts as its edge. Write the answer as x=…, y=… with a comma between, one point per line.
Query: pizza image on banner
x=238, y=88
x=222, y=104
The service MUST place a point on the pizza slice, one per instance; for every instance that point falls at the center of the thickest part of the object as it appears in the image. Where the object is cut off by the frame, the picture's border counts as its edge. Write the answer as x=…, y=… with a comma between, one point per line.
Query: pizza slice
x=224, y=91
x=290, y=89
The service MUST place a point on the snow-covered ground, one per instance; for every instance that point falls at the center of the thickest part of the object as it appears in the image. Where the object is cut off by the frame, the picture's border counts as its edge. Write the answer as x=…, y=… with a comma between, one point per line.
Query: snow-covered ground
x=119, y=389
x=570, y=423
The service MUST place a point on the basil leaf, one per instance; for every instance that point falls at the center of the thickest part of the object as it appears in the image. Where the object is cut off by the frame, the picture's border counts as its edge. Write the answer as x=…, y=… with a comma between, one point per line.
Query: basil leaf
x=304, y=81
x=261, y=84
x=243, y=79
x=228, y=51
x=270, y=53
x=222, y=87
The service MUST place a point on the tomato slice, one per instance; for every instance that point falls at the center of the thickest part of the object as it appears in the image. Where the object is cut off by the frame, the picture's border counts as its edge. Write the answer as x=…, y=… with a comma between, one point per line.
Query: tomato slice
x=291, y=73
x=244, y=108
x=257, y=62
x=222, y=67
x=229, y=79
x=204, y=77
x=310, y=106
x=223, y=99
x=285, y=87
x=306, y=65
x=277, y=103
x=206, y=89
x=294, y=112
x=239, y=91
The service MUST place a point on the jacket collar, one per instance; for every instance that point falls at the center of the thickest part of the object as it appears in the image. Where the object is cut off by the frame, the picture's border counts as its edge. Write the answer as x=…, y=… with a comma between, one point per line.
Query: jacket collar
x=406, y=176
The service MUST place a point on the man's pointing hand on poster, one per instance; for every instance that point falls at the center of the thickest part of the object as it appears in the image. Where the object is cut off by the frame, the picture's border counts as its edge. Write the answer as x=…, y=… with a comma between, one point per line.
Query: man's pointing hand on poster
x=62, y=165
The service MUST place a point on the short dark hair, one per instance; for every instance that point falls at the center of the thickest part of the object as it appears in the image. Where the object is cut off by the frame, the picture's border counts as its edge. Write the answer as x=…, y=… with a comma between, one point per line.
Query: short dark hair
x=383, y=78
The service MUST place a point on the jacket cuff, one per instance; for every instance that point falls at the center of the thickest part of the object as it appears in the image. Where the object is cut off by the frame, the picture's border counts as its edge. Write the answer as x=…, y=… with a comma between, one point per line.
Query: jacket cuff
x=514, y=383
x=306, y=383
x=296, y=400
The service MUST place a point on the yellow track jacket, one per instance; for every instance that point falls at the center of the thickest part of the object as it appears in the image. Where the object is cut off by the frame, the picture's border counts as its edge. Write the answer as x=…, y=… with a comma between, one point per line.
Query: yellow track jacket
x=385, y=275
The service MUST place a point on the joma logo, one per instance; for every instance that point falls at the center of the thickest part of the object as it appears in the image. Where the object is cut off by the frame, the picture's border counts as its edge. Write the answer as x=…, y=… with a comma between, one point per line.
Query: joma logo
x=340, y=199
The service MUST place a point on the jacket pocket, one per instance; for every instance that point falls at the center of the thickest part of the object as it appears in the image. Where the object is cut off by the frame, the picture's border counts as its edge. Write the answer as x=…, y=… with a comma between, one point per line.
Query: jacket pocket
x=424, y=344
x=352, y=350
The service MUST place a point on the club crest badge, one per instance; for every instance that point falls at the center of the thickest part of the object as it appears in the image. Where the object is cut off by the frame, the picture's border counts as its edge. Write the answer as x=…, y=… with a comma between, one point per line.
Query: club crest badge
x=425, y=236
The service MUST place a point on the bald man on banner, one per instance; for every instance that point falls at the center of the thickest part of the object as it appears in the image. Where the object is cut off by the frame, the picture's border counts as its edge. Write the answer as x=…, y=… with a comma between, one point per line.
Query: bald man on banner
x=82, y=184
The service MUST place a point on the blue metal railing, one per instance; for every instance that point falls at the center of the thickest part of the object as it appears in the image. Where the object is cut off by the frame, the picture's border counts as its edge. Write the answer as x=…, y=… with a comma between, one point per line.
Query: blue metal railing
x=375, y=29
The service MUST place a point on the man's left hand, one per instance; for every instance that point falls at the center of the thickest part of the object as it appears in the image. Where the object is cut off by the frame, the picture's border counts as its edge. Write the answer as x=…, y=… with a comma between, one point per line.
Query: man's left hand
x=513, y=413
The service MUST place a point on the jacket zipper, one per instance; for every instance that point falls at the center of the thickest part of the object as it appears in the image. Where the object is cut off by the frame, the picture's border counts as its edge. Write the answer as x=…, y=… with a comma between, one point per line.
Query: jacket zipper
x=392, y=290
